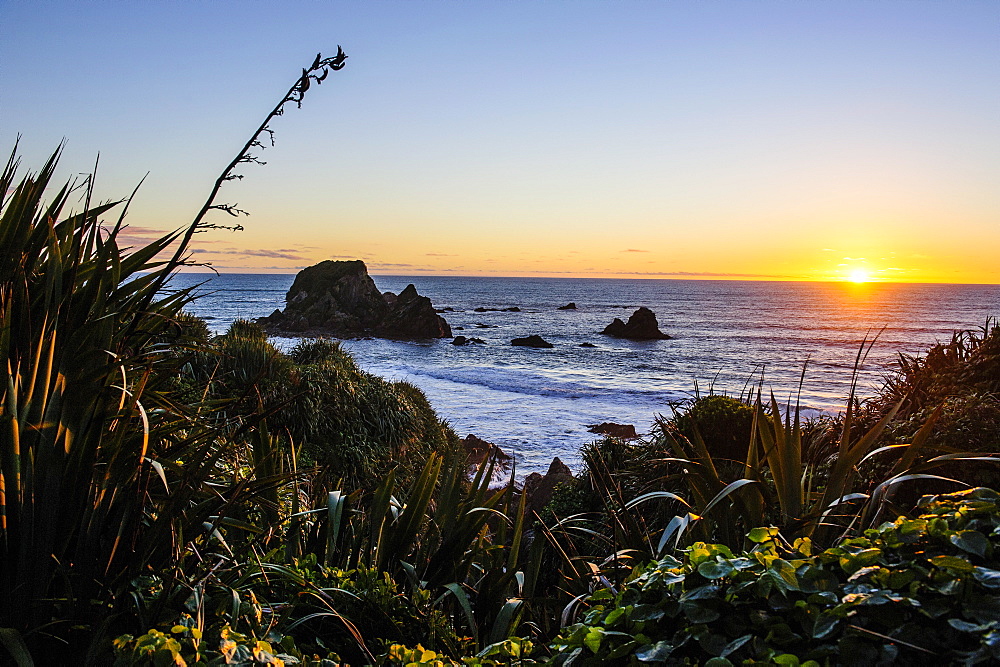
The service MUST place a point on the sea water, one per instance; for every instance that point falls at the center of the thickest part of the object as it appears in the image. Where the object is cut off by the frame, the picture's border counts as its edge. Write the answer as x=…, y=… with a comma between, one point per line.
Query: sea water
x=726, y=337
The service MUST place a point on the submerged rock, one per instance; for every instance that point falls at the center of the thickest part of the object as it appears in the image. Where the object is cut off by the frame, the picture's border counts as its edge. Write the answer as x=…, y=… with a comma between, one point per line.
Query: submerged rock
x=462, y=340
x=569, y=306
x=641, y=325
x=531, y=341
x=339, y=298
x=587, y=345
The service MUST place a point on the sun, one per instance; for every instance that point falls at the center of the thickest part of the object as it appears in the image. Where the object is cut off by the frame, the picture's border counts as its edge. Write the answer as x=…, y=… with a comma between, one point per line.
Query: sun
x=859, y=276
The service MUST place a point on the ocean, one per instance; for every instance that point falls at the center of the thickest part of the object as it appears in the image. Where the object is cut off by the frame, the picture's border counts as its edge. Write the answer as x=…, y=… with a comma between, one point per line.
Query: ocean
x=726, y=336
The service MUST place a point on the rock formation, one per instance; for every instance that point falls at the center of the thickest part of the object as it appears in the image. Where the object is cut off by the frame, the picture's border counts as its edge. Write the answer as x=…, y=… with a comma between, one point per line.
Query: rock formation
x=339, y=298
x=531, y=341
x=477, y=450
x=569, y=306
x=462, y=340
x=624, y=431
x=538, y=488
x=412, y=316
x=641, y=326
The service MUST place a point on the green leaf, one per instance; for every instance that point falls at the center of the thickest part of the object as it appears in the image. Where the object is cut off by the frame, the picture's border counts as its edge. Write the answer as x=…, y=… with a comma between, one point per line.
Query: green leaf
x=760, y=535
x=786, y=659
x=718, y=662
x=825, y=624
x=698, y=612
x=717, y=570
x=613, y=616
x=15, y=645
x=735, y=645
x=987, y=577
x=964, y=626
x=972, y=541
x=593, y=639
x=784, y=574
x=657, y=652
x=952, y=563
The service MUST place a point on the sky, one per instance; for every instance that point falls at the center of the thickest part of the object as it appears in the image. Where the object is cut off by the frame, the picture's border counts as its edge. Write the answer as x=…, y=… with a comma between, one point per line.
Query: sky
x=760, y=139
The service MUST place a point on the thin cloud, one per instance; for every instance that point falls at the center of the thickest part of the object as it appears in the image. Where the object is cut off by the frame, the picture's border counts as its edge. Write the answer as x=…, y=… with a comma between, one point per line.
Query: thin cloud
x=634, y=250
x=271, y=254
x=438, y=254
x=130, y=235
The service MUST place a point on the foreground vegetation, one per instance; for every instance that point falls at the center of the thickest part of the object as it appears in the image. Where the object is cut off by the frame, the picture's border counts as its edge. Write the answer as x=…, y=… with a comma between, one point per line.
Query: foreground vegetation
x=168, y=497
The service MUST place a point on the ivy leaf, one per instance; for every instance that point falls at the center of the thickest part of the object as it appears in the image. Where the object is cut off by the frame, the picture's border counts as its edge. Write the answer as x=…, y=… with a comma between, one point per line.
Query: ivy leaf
x=613, y=616
x=987, y=577
x=593, y=639
x=952, y=563
x=786, y=659
x=760, y=535
x=657, y=652
x=825, y=624
x=715, y=570
x=964, y=626
x=697, y=612
x=972, y=541
x=735, y=645
x=718, y=662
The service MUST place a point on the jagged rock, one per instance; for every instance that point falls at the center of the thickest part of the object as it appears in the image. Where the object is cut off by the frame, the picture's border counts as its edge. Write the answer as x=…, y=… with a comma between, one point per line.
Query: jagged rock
x=531, y=341
x=538, y=488
x=641, y=326
x=587, y=345
x=569, y=306
x=477, y=449
x=412, y=316
x=339, y=298
x=624, y=431
x=462, y=340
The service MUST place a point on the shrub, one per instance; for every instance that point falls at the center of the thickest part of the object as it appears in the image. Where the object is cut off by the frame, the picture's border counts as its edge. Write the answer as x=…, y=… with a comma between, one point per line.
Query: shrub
x=920, y=590
x=723, y=423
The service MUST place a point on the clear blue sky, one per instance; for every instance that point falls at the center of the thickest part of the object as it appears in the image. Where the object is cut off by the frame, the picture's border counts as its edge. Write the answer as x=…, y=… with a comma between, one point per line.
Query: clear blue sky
x=805, y=139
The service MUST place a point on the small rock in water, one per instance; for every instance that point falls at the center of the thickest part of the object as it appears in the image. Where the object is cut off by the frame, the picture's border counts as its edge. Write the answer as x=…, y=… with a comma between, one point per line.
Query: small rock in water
x=569, y=306
x=624, y=431
x=587, y=345
x=531, y=341
x=462, y=340
x=641, y=326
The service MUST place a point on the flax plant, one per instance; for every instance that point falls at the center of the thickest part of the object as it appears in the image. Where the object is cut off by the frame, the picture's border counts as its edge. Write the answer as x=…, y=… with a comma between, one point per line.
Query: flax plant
x=104, y=474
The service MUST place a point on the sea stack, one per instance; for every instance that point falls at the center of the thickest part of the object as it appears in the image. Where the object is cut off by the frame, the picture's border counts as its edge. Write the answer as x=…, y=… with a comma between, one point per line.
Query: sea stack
x=339, y=298
x=641, y=326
